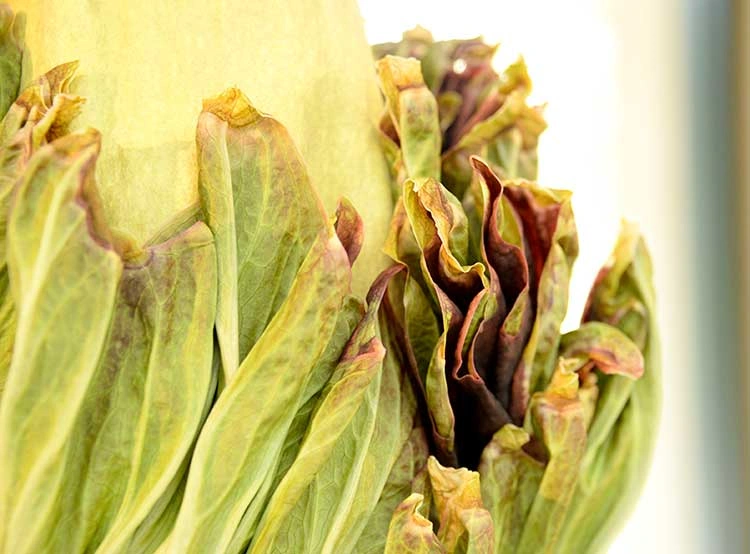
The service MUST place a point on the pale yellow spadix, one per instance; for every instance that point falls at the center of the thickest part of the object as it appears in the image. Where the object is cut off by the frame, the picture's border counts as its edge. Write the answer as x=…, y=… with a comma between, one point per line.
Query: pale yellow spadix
x=146, y=65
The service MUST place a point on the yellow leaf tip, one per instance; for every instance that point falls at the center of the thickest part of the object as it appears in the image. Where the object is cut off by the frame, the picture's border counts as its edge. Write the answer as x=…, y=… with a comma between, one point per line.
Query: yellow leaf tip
x=233, y=107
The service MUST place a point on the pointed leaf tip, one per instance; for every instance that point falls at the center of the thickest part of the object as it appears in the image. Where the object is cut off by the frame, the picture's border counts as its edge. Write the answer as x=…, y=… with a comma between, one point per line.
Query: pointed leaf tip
x=349, y=229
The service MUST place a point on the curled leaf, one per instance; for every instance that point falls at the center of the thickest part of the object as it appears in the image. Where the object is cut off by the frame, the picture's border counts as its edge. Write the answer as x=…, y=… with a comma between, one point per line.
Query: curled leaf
x=41, y=112
x=480, y=112
x=465, y=525
x=551, y=245
x=410, y=531
x=349, y=229
x=414, y=115
x=605, y=346
x=623, y=429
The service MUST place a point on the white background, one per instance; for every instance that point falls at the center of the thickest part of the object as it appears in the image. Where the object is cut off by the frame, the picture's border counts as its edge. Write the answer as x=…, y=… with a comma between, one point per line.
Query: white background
x=612, y=73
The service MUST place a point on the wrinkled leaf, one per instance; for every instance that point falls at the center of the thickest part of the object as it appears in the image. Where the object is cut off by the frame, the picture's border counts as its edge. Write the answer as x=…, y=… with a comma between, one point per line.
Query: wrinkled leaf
x=498, y=322
x=410, y=532
x=465, y=526
x=605, y=346
x=456, y=166
x=480, y=112
x=551, y=243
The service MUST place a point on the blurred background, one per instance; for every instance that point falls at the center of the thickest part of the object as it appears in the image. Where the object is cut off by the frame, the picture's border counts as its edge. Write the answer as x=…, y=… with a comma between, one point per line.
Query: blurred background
x=649, y=119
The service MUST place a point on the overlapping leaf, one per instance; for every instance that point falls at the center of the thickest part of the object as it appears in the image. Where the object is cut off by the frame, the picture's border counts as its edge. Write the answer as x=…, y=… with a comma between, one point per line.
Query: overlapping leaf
x=307, y=425
x=258, y=202
x=510, y=480
x=499, y=280
x=293, y=316
x=365, y=415
x=465, y=526
x=40, y=114
x=94, y=465
x=489, y=268
x=49, y=249
x=411, y=121
x=481, y=113
x=408, y=476
x=621, y=433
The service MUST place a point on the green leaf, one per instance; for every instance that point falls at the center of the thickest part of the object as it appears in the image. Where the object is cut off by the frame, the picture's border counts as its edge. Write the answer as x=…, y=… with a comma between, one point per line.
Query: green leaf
x=456, y=165
x=514, y=151
x=348, y=228
x=353, y=440
x=422, y=326
x=153, y=532
x=510, y=480
x=350, y=315
x=258, y=202
x=64, y=283
x=623, y=431
x=159, y=353
x=396, y=411
x=307, y=487
x=436, y=215
x=414, y=115
x=42, y=112
x=155, y=529
x=409, y=474
x=608, y=348
x=557, y=420
x=240, y=445
x=449, y=104
x=410, y=532
x=117, y=455
x=11, y=57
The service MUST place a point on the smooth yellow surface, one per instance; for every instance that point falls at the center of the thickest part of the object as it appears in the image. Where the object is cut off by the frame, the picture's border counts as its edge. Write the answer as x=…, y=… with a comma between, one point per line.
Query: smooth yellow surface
x=147, y=65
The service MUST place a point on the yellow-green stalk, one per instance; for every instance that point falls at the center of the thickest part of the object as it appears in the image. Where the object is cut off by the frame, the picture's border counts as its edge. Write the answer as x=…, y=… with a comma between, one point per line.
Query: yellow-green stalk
x=146, y=66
